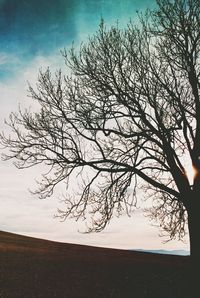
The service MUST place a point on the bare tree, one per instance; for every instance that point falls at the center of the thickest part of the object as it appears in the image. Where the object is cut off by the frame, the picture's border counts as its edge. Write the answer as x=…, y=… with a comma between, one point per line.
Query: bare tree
x=130, y=114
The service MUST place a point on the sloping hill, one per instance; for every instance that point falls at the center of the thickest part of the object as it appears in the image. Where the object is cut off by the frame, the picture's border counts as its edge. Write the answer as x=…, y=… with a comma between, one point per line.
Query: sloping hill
x=36, y=268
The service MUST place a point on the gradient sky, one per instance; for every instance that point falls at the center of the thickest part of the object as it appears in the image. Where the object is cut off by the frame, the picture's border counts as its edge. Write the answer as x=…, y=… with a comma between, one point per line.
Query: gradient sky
x=32, y=33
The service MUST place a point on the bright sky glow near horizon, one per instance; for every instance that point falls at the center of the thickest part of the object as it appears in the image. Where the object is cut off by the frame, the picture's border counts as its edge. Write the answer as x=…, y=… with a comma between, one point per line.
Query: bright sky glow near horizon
x=32, y=33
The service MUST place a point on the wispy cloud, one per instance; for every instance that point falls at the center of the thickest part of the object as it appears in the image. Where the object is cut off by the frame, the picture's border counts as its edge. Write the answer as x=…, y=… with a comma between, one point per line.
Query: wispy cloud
x=3, y=58
x=9, y=64
x=13, y=89
x=8, y=59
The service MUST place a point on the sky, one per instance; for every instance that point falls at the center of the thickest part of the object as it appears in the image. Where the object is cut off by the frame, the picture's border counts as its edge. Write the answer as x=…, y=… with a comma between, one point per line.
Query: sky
x=32, y=33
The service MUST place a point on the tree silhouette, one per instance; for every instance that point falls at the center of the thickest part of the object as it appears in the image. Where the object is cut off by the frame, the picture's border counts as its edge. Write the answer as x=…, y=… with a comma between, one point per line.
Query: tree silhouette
x=128, y=115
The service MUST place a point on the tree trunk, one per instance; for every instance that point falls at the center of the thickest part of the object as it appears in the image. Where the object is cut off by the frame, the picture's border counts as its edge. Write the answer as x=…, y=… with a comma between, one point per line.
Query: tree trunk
x=194, y=228
x=194, y=236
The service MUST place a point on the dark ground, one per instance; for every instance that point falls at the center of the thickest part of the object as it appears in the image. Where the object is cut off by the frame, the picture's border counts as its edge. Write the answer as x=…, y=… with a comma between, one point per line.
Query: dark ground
x=36, y=268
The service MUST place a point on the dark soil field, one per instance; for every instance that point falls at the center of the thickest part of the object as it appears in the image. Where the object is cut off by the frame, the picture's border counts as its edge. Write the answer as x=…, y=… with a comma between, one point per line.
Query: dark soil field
x=36, y=268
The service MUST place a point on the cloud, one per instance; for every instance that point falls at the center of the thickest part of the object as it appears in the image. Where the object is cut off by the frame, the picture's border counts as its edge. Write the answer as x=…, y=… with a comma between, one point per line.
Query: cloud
x=3, y=58
x=13, y=90
x=8, y=59
x=9, y=63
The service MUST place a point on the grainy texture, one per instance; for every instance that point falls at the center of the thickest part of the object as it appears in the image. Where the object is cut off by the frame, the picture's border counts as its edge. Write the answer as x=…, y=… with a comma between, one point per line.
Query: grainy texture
x=36, y=268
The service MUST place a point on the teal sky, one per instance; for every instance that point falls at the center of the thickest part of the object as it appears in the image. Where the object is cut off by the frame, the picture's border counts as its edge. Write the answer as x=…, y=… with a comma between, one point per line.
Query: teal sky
x=38, y=27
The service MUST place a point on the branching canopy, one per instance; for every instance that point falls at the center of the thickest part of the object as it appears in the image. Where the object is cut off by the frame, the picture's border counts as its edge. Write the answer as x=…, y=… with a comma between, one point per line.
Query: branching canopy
x=128, y=114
